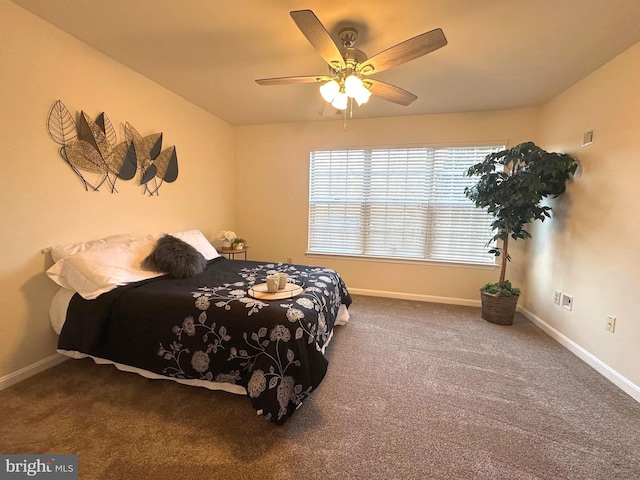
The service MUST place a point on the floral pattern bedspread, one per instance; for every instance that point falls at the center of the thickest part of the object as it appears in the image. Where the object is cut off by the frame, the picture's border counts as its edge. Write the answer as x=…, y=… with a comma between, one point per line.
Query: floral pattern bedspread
x=209, y=328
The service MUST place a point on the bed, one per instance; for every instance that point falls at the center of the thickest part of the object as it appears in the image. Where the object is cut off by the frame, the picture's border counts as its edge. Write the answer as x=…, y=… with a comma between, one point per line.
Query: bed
x=213, y=329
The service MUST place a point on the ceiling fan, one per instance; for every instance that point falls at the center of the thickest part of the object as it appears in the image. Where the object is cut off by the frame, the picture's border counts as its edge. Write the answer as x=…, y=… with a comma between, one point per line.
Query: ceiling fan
x=349, y=67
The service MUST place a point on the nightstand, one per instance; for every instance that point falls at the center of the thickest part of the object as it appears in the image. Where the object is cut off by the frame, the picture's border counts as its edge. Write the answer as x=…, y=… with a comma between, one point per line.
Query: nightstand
x=231, y=253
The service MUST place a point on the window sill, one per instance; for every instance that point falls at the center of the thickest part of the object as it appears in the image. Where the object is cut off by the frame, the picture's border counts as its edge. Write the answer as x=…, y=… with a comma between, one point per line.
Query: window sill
x=404, y=261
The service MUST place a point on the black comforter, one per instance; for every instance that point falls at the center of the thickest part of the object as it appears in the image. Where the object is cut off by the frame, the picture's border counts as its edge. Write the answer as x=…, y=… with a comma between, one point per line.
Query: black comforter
x=207, y=327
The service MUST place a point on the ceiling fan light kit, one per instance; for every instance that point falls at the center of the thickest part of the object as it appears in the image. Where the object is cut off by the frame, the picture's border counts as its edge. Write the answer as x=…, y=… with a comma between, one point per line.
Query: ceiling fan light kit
x=348, y=65
x=338, y=91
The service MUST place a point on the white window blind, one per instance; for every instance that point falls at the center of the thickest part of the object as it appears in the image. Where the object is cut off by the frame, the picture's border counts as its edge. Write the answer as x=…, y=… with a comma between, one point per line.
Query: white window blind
x=397, y=203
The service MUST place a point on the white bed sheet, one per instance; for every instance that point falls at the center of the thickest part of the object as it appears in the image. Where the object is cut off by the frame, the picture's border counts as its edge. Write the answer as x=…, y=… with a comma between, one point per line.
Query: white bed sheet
x=58, y=308
x=227, y=387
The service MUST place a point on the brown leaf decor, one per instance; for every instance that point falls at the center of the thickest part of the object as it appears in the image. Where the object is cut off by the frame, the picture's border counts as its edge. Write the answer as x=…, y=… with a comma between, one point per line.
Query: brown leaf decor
x=92, y=146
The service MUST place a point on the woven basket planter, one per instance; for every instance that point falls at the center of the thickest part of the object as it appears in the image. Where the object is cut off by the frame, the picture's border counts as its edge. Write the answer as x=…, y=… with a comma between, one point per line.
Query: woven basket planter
x=498, y=309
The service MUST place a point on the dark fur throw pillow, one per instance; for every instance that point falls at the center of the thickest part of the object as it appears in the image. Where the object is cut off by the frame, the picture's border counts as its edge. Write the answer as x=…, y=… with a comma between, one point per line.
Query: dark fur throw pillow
x=175, y=257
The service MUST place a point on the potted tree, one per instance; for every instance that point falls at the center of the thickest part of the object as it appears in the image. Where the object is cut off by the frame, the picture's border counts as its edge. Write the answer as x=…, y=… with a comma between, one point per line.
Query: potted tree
x=511, y=187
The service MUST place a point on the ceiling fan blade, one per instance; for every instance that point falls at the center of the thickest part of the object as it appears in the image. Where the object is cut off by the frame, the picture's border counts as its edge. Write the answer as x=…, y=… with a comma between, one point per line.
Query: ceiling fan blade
x=404, y=52
x=389, y=92
x=318, y=36
x=289, y=80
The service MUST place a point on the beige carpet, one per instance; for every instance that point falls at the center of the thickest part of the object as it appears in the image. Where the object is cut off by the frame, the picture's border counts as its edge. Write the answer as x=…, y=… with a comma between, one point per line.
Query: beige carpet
x=414, y=391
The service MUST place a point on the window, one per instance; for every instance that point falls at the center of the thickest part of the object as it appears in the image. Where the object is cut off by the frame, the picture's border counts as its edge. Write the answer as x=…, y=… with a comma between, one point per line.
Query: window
x=397, y=203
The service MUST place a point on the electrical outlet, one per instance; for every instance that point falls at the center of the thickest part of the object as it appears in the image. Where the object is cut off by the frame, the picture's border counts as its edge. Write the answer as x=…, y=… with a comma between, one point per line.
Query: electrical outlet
x=557, y=295
x=567, y=301
x=611, y=324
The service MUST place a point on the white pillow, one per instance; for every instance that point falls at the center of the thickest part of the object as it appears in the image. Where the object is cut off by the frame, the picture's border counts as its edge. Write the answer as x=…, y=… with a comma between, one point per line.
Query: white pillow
x=100, y=266
x=197, y=240
x=99, y=270
x=60, y=251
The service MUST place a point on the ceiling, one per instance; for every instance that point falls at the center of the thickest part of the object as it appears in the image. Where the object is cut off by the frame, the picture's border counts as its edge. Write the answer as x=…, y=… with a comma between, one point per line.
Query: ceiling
x=501, y=53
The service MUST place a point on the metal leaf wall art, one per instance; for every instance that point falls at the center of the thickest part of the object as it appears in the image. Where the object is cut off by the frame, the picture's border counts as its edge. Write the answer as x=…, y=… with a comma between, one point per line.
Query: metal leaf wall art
x=88, y=145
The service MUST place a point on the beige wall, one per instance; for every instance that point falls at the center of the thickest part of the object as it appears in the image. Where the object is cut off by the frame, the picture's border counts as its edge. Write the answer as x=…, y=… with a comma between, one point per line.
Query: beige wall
x=272, y=210
x=42, y=201
x=590, y=249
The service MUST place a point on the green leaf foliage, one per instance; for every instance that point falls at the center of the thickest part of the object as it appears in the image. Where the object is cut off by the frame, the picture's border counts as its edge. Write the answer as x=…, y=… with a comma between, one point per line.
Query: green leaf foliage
x=511, y=186
x=504, y=290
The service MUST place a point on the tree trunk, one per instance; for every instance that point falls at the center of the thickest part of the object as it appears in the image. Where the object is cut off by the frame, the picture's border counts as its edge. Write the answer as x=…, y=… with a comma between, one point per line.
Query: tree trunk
x=505, y=256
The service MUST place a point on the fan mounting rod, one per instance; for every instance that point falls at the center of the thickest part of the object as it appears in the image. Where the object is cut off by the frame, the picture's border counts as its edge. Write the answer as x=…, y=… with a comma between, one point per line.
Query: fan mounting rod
x=348, y=36
x=352, y=56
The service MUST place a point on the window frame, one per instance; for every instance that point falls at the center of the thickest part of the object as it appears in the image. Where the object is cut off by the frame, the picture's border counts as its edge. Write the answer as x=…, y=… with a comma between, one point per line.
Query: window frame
x=427, y=256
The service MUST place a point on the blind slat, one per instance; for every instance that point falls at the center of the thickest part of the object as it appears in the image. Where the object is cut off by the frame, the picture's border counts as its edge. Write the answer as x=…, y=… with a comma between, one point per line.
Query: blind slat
x=406, y=203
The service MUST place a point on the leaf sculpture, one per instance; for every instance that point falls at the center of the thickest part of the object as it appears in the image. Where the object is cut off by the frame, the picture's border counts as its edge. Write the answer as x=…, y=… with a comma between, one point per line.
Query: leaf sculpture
x=93, y=146
x=147, y=149
x=124, y=162
x=92, y=150
x=166, y=168
x=105, y=125
x=90, y=132
x=167, y=165
x=84, y=156
x=62, y=128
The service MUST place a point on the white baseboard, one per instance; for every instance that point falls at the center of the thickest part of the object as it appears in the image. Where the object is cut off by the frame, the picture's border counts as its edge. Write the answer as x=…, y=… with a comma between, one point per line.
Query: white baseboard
x=416, y=297
x=31, y=370
x=598, y=365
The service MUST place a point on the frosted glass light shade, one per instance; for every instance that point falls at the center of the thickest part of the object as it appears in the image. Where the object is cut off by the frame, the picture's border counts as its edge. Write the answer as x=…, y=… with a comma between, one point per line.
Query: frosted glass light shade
x=363, y=96
x=353, y=85
x=340, y=101
x=355, y=89
x=329, y=90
